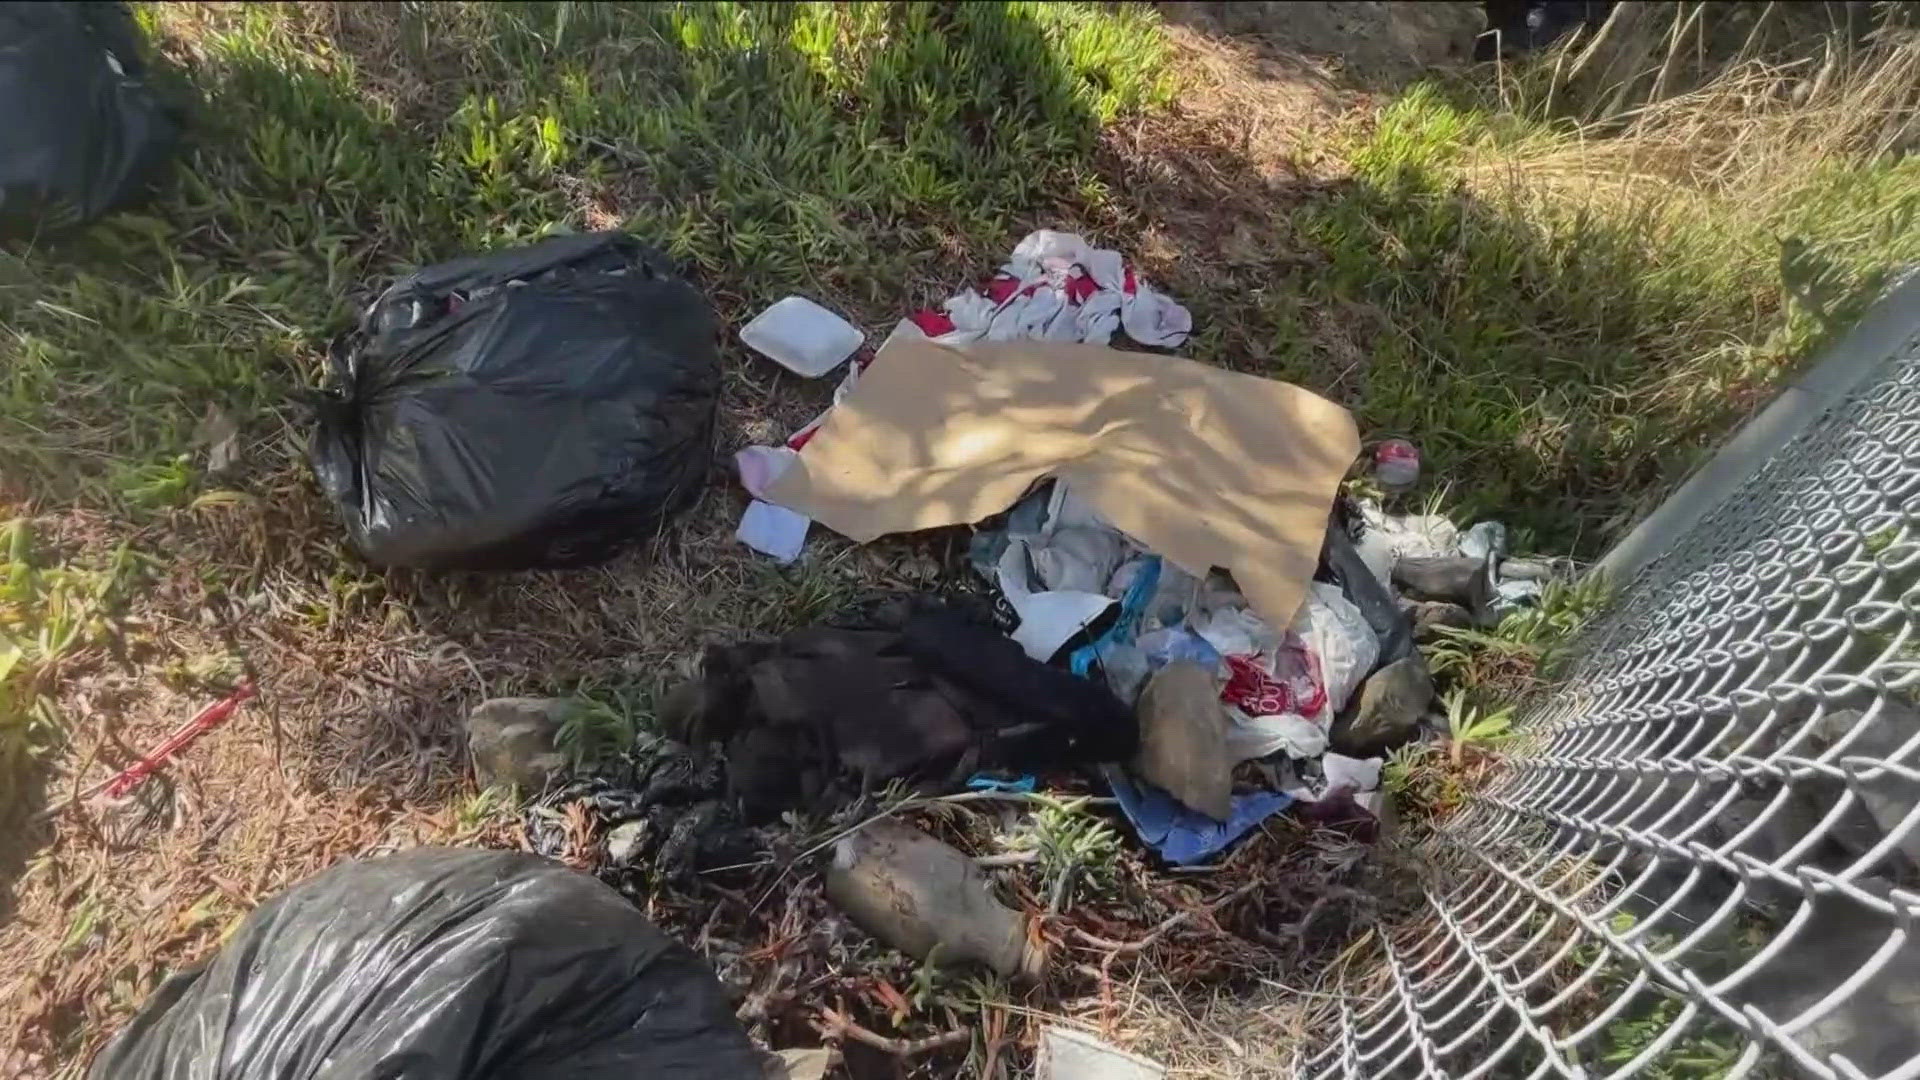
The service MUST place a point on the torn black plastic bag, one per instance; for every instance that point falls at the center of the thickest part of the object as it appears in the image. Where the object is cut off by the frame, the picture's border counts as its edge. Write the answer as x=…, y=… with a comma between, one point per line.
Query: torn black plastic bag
x=542, y=406
x=1340, y=564
x=439, y=964
x=82, y=133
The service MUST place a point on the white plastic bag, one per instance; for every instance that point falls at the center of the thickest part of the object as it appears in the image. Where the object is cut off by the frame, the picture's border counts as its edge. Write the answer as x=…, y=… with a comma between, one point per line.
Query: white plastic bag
x=1337, y=634
x=1237, y=631
x=1250, y=737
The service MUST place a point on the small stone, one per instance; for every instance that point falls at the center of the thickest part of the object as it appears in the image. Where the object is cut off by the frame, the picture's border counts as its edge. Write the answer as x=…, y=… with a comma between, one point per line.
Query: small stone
x=1388, y=711
x=809, y=1064
x=511, y=741
x=1428, y=616
x=623, y=843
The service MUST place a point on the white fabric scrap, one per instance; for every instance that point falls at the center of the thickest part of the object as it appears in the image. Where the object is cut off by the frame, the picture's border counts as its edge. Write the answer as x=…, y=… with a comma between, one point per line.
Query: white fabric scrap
x=773, y=530
x=1354, y=774
x=1041, y=277
x=1237, y=631
x=1391, y=537
x=1078, y=558
x=1049, y=619
x=1338, y=772
x=760, y=466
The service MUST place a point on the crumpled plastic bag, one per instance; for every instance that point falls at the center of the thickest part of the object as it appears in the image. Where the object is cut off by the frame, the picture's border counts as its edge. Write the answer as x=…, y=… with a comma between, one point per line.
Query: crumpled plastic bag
x=1388, y=538
x=444, y=963
x=1337, y=634
x=1185, y=837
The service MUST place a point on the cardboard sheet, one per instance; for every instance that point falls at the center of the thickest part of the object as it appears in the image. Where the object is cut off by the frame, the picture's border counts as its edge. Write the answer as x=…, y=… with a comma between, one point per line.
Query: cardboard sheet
x=1205, y=466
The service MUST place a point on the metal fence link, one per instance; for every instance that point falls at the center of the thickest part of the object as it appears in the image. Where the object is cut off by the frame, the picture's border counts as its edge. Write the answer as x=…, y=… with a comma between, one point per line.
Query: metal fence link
x=1702, y=857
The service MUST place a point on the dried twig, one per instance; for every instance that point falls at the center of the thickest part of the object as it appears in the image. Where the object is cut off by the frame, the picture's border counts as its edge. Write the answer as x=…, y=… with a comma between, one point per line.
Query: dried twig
x=996, y=1036
x=1122, y=948
x=834, y=1025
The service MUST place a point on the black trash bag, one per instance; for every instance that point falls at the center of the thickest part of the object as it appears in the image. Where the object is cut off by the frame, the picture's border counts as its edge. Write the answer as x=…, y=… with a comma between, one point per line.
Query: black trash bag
x=82, y=133
x=542, y=406
x=439, y=964
x=1340, y=564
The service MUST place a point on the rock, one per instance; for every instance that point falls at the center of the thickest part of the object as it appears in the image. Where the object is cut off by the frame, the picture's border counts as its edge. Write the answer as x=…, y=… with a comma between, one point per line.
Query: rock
x=511, y=741
x=1428, y=616
x=623, y=843
x=1183, y=739
x=1458, y=580
x=1387, y=714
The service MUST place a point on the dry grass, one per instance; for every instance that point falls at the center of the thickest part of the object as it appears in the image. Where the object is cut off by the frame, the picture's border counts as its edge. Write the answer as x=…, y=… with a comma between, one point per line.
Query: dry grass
x=1199, y=970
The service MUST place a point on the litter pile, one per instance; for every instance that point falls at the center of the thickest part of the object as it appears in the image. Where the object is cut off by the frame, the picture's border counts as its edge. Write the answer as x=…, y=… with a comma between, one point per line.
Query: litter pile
x=1189, y=627
x=1055, y=287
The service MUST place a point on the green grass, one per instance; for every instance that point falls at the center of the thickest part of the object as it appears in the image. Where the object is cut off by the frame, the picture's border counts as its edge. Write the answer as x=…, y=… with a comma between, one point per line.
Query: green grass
x=1561, y=349
x=856, y=153
x=814, y=147
x=49, y=610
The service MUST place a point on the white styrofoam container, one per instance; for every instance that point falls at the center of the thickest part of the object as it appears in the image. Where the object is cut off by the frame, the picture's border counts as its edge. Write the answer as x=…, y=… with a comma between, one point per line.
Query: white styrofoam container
x=802, y=336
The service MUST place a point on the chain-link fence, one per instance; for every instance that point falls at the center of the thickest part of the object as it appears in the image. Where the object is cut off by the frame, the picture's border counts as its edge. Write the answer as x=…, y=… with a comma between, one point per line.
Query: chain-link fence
x=1703, y=856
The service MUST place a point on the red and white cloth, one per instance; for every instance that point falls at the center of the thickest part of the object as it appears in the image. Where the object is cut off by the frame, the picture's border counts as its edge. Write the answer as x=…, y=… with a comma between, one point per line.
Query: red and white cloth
x=1057, y=287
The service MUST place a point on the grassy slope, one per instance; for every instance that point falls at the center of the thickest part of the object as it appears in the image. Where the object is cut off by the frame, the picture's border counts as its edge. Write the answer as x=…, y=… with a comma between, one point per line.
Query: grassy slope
x=1558, y=347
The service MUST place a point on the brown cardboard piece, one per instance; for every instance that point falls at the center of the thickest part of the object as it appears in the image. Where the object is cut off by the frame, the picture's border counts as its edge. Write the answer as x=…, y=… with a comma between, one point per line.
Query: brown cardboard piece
x=1205, y=466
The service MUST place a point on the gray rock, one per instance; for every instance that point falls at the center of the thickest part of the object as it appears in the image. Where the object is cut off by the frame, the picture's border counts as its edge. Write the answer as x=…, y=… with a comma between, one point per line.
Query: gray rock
x=623, y=843
x=1428, y=616
x=1183, y=739
x=1387, y=710
x=1887, y=799
x=512, y=741
x=1872, y=1027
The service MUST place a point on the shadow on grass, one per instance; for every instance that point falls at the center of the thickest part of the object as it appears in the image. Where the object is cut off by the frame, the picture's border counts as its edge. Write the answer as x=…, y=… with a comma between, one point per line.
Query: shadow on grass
x=22, y=831
x=1556, y=371
x=1373, y=48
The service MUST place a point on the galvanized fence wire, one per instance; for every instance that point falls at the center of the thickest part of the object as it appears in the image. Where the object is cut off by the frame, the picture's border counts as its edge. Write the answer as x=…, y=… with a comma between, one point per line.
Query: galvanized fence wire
x=1702, y=856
